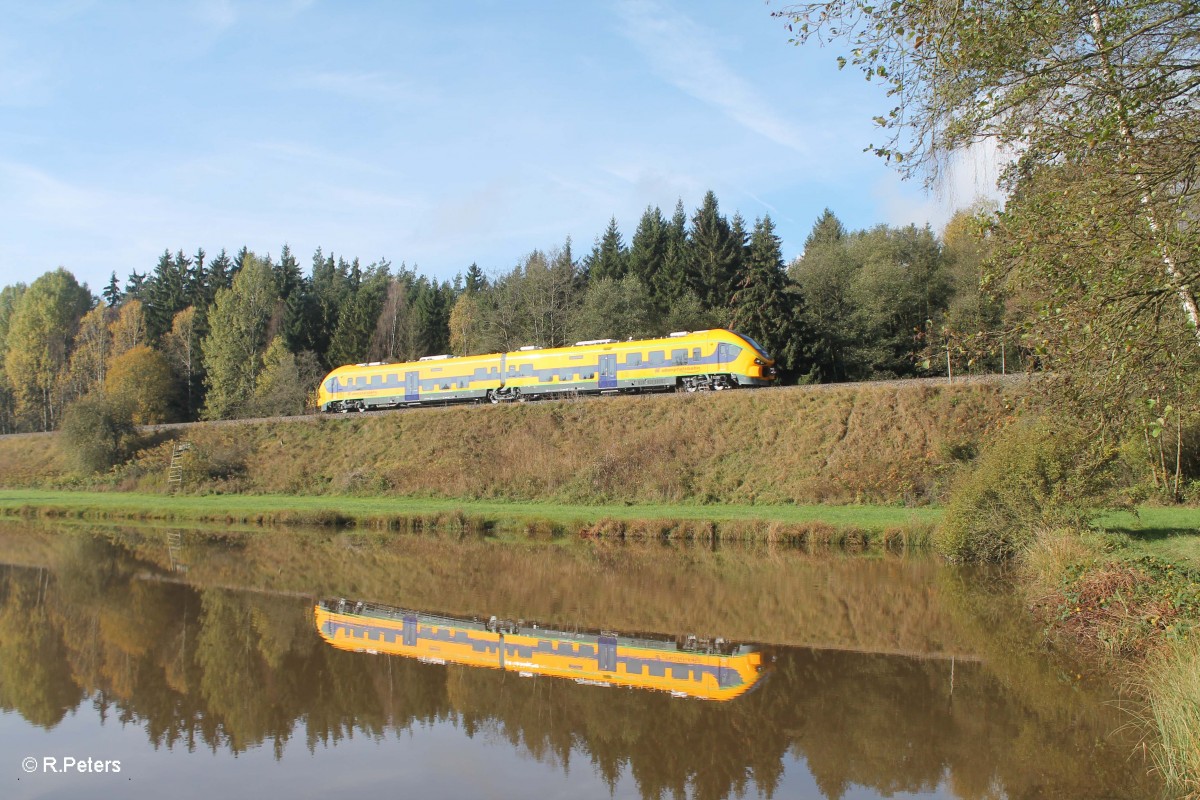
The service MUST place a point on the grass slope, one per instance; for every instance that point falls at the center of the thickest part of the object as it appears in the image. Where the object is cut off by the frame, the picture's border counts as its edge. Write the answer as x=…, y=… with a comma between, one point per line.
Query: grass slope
x=892, y=445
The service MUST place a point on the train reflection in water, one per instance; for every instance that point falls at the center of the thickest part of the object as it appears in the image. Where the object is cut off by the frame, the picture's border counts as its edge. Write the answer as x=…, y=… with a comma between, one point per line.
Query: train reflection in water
x=687, y=667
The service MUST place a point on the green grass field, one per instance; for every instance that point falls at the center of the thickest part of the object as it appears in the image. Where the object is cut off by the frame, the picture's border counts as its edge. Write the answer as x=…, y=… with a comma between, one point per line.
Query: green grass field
x=1166, y=532
x=1169, y=533
x=267, y=508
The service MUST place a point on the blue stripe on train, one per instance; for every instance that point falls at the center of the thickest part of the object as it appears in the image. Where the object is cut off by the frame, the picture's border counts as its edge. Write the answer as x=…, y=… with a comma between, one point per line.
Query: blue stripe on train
x=633, y=363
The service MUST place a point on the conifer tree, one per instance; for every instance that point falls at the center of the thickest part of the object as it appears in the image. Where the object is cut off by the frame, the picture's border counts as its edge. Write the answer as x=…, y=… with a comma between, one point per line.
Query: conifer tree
x=431, y=318
x=828, y=229
x=760, y=306
x=134, y=285
x=166, y=293
x=648, y=255
x=220, y=276
x=359, y=314
x=715, y=253
x=476, y=281
x=675, y=281
x=197, y=290
x=112, y=292
x=609, y=257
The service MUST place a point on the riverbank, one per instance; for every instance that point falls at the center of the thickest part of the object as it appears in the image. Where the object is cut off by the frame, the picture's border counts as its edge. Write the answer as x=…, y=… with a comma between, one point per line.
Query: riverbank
x=1126, y=595
x=865, y=525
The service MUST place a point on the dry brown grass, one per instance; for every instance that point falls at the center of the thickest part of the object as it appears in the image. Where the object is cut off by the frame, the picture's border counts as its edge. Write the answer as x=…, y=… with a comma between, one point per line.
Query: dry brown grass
x=854, y=445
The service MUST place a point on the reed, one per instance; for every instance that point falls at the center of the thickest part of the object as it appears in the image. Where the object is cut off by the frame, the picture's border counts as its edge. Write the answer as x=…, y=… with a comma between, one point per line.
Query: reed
x=1172, y=685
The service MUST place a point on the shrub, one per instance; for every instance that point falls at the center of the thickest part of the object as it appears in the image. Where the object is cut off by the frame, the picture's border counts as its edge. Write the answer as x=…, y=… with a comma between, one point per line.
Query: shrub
x=1036, y=475
x=97, y=432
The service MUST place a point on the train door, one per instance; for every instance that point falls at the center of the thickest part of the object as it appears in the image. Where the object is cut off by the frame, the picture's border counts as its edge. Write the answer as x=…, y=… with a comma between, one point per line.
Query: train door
x=412, y=386
x=723, y=354
x=606, y=656
x=608, y=372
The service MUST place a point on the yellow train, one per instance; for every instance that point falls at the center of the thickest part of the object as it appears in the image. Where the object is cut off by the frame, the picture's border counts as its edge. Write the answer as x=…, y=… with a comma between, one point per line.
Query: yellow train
x=688, y=361
x=713, y=670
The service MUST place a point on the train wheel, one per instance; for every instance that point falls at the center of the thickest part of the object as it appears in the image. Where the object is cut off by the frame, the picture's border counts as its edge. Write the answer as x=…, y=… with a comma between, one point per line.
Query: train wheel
x=492, y=397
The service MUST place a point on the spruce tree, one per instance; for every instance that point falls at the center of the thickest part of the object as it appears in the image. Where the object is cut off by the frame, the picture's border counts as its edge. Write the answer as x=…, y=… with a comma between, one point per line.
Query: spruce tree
x=609, y=257
x=112, y=292
x=476, y=281
x=220, y=276
x=760, y=306
x=828, y=229
x=715, y=254
x=648, y=255
x=165, y=293
x=135, y=285
x=674, y=283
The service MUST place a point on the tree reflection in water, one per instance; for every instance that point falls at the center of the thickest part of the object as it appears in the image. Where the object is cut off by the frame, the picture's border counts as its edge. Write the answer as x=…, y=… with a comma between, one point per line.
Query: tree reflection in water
x=201, y=666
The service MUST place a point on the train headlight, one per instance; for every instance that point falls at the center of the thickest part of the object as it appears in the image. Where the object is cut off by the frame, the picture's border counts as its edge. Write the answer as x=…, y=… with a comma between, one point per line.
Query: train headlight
x=760, y=362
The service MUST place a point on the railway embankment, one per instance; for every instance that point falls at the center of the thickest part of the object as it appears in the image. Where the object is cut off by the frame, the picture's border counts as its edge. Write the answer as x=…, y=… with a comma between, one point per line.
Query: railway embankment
x=895, y=445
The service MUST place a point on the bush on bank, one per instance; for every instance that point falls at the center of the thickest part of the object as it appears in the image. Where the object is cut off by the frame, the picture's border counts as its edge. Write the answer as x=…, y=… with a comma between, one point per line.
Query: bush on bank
x=1036, y=475
x=1104, y=596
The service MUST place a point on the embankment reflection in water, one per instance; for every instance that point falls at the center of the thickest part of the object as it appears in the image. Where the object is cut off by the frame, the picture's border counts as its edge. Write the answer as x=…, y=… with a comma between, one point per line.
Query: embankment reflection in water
x=98, y=634
x=712, y=669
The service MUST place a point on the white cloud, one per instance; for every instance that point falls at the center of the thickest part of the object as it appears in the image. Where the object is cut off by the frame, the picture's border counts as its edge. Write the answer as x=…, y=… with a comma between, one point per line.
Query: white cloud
x=967, y=176
x=686, y=56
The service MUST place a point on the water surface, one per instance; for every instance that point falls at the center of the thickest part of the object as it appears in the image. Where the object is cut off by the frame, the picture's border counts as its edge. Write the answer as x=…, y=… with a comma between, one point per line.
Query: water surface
x=194, y=659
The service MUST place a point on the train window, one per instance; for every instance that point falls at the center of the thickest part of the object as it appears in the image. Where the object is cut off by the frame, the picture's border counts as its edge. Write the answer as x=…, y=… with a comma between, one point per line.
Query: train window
x=657, y=357
x=696, y=353
x=679, y=357
x=393, y=380
x=332, y=384
x=633, y=360
x=360, y=381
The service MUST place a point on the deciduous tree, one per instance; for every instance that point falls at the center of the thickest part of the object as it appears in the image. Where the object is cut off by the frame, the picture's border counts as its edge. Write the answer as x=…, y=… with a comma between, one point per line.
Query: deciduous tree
x=140, y=379
x=233, y=349
x=40, y=335
x=1111, y=89
x=9, y=297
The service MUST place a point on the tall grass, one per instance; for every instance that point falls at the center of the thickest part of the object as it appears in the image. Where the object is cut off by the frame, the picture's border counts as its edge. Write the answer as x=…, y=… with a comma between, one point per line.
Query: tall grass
x=1172, y=682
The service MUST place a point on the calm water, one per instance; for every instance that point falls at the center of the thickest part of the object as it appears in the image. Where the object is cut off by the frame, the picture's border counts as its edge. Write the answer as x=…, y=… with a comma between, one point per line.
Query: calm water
x=194, y=662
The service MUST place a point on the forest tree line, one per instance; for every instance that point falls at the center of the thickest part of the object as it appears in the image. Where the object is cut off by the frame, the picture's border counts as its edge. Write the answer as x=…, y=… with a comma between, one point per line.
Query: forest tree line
x=251, y=335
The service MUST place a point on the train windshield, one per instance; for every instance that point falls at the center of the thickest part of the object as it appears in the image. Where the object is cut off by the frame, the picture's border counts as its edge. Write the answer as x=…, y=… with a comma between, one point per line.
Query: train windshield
x=758, y=348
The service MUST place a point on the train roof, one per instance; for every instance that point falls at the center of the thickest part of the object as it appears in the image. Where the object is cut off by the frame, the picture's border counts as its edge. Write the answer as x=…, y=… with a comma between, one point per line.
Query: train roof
x=675, y=337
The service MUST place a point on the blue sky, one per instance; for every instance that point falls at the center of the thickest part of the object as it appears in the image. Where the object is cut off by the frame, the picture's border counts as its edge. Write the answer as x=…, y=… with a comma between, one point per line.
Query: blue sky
x=427, y=133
